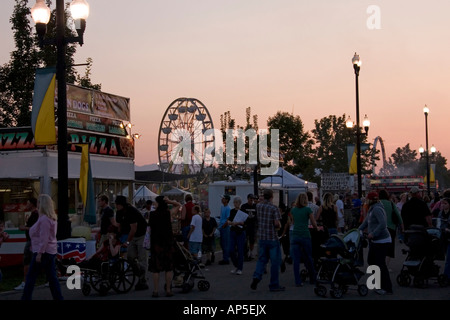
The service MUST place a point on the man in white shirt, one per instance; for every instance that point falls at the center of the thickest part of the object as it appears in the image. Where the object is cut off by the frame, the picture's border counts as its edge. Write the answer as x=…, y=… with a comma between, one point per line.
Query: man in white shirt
x=340, y=208
x=195, y=234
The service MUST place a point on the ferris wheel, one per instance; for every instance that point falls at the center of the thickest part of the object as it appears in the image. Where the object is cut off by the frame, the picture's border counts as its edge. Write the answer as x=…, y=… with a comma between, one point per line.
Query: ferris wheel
x=181, y=139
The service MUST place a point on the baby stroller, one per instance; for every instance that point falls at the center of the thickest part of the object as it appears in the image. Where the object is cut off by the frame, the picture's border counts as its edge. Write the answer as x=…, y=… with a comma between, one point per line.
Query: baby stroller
x=339, y=266
x=117, y=274
x=186, y=270
x=424, y=245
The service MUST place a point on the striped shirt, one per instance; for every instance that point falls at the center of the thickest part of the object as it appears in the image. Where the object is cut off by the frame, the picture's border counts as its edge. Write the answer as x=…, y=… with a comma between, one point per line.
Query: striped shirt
x=267, y=214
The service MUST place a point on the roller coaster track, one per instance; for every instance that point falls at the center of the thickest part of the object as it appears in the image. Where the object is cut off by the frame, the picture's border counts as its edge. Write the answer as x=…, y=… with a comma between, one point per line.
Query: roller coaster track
x=378, y=138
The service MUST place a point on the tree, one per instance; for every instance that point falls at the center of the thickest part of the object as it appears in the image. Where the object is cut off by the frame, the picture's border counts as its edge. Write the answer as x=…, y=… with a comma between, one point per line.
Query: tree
x=405, y=161
x=331, y=137
x=16, y=96
x=295, y=144
x=85, y=81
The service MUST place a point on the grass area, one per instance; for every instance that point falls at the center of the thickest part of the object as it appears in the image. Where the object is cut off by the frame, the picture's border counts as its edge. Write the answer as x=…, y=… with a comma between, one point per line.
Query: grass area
x=13, y=276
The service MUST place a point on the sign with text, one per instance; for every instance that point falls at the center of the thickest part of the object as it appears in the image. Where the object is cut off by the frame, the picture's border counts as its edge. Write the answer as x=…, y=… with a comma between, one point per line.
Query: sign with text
x=109, y=145
x=102, y=144
x=88, y=122
x=17, y=139
x=97, y=103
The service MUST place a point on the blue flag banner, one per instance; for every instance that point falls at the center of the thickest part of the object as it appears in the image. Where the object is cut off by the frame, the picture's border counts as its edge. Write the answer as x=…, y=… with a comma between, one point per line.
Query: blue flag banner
x=43, y=109
x=86, y=186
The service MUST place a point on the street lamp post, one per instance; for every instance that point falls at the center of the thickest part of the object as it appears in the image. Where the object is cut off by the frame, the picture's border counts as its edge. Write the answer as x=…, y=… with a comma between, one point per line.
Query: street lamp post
x=41, y=15
x=426, y=110
x=357, y=66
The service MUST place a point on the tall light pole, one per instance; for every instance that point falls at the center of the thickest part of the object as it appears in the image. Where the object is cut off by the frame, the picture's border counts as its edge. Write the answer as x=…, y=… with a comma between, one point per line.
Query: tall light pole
x=357, y=66
x=41, y=15
x=426, y=110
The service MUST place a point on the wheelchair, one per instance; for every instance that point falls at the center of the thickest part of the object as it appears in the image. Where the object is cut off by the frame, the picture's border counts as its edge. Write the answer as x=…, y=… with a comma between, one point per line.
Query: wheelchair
x=118, y=274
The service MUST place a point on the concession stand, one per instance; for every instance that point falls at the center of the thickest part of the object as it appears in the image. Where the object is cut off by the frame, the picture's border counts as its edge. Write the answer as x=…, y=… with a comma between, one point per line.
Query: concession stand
x=95, y=118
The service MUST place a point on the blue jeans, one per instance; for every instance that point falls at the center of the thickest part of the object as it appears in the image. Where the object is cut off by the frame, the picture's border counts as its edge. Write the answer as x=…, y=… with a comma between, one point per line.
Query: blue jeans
x=225, y=242
x=332, y=231
x=302, y=251
x=237, y=246
x=48, y=265
x=269, y=249
x=447, y=262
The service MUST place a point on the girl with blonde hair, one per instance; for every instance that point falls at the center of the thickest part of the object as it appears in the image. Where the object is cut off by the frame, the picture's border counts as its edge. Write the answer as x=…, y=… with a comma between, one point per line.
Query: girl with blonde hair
x=46, y=207
x=44, y=248
x=328, y=212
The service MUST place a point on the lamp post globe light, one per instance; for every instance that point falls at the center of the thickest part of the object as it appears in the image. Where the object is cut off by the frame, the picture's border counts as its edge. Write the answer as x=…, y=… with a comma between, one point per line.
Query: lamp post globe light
x=41, y=15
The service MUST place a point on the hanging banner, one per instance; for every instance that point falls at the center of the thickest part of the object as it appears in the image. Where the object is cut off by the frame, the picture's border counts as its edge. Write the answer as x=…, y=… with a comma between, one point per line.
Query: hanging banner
x=43, y=108
x=111, y=106
x=352, y=157
x=86, y=186
x=432, y=174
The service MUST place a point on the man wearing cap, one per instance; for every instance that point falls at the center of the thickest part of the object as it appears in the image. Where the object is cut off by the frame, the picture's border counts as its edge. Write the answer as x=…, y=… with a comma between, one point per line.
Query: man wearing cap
x=224, y=229
x=379, y=240
x=250, y=209
x=415, y=210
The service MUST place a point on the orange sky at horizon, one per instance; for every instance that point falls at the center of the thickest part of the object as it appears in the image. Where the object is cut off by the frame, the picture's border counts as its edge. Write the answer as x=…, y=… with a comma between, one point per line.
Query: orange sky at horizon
x=288, y=55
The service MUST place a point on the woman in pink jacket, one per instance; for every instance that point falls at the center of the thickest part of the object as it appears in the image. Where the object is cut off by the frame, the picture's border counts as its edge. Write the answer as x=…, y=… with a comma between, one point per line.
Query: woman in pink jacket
x=44, y=248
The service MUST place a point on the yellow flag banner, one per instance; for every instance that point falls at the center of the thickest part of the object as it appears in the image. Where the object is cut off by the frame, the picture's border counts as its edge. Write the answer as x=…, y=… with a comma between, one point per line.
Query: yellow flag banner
x=351, y=155
x=86, y=185
x=43, y=108
x=432, y=174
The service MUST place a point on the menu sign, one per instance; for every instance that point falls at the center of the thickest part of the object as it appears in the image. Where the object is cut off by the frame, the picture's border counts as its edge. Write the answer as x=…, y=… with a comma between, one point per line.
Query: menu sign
x=98, y=103
x=83, y=121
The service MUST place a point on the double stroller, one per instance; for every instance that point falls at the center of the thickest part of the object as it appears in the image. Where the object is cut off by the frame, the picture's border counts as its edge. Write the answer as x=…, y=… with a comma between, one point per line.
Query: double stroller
x=186, y=270
x=424, y=248
x=339, y=267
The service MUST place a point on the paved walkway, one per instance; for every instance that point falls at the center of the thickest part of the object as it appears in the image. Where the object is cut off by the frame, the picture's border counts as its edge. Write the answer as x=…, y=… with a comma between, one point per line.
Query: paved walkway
x=227, y=286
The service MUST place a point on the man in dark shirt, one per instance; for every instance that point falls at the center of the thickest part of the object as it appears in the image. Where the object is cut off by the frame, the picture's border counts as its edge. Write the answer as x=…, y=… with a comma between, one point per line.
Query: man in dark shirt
x=106, y=218
x=415, y=211
x=250, y=208
x=132, y=228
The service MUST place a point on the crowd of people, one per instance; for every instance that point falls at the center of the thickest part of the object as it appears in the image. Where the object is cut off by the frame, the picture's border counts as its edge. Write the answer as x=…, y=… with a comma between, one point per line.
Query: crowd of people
x=257, y=229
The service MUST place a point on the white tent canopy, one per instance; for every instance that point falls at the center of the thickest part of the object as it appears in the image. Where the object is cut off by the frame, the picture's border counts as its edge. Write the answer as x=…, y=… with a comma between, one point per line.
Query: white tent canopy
x=144, y=193
x=175, y=192
x=283, y=180
x=289, y=184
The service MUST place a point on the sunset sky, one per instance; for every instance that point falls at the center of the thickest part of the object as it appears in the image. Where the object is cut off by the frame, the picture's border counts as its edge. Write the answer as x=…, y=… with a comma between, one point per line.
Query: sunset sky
x=271, y=55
